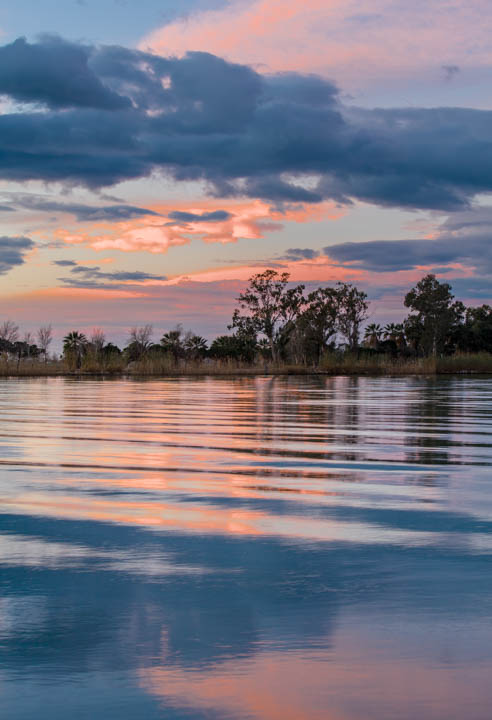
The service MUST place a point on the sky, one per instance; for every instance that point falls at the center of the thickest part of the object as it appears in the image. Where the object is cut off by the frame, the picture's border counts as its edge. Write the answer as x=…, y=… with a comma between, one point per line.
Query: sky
x=155, y=155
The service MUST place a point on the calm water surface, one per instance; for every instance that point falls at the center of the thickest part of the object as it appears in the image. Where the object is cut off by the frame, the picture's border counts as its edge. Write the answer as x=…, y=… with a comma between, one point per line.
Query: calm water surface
x=270, y=549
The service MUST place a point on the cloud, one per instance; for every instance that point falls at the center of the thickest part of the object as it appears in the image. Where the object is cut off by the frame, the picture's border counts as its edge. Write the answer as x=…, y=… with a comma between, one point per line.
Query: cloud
x=55, y=73
x=463, y=239
x=13, y=251
x=185, y=217
x=388, y=255
x=83, y=276
x=286, y=139
x=450, y=71
x=83, y=213
x=247, y=219
x=300, y=254
x=385, y=45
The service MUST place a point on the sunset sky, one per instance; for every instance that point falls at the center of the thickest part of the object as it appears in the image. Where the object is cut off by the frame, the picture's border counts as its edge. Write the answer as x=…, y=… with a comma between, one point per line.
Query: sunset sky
x=154, y=155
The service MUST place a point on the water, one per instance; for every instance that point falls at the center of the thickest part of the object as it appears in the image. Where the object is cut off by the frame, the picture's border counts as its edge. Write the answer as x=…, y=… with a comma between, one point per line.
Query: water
x=270, y=548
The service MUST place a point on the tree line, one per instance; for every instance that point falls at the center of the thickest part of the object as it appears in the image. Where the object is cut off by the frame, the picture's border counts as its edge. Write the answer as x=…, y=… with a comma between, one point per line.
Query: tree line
x=277, y=322
x=284, y=323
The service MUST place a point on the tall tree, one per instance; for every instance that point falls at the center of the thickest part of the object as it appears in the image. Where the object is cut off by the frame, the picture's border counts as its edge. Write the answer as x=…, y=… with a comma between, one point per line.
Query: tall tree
x=318, y=322
x=435, y=320
x=352, y=311
x=270, y=307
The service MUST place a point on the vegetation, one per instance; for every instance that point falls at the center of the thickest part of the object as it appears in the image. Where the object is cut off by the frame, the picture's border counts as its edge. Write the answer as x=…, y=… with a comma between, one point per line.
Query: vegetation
x=278, y=328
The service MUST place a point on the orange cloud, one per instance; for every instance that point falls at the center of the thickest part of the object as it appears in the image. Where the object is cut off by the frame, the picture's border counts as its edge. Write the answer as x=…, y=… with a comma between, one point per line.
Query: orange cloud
x=249, y=219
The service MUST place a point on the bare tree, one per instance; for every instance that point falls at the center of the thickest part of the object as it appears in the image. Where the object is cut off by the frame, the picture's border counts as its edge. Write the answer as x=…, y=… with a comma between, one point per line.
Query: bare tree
x=9, y=331
x=45, y=337
x=97, y=340
x=141, y=338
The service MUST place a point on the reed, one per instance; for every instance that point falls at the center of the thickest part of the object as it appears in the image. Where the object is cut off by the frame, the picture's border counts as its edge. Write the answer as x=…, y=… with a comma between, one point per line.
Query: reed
x=352, y=364
x=165, y=365
x=331, y=364
x=31, y=368
x=466, y=363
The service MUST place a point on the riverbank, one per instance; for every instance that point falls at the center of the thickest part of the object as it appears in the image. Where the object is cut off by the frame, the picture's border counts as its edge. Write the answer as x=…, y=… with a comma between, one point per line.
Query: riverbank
x=334, y=364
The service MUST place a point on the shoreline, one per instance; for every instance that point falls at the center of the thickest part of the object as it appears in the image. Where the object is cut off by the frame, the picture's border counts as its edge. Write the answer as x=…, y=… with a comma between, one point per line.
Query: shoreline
x=242, y=373
x=331, y=365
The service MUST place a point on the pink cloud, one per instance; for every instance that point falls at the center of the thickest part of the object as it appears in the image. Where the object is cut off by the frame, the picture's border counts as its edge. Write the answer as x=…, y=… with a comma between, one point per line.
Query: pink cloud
x=356, y=43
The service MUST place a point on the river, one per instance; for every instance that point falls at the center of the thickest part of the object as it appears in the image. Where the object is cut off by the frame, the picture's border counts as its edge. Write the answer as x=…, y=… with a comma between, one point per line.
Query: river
x=291, y=548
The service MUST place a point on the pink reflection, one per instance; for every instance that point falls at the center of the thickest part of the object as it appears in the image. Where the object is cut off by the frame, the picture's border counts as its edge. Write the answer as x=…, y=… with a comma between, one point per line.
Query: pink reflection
x=349, y=683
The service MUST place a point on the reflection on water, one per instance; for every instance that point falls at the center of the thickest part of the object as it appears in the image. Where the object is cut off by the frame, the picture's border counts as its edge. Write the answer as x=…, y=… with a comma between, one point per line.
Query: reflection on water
x=269, y=548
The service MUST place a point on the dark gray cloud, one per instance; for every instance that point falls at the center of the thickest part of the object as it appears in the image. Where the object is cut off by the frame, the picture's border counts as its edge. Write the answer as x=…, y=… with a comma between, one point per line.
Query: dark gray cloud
x=12, y=252
x=300, y=254
x=55, y=73
x=185, y=217
x=93, y=277
x=464, y=238
x=479, y=287
x=389, y=255
x=83, y=213
x=128, y=114
x=450, y=71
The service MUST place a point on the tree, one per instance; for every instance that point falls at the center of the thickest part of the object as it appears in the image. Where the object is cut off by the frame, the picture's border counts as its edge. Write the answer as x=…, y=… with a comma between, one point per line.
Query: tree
x=317, y=324
x=434, y=324
x=139, y=341
x=9, y=331
x=195, y=347
x=45, y=337
x=110, y=351
x=74, y=348
x=372, y=335
x=476, y=333
x=239, y=346
x=352, y=311
x=172, y=342
x=27, y=342
x=98, y=338
x=394, y=339
x=270, y=306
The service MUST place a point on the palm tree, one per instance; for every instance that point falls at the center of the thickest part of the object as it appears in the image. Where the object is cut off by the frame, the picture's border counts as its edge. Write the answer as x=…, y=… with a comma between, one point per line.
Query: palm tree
x=195, y=346
x=372, y=335
x=396, y=333
x=74, y=347
x=172, y=342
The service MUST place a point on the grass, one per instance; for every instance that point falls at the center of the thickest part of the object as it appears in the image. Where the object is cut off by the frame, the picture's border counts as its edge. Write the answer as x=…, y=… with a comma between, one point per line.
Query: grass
x=331, y=364
x=30, y=368
x=348, y=364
